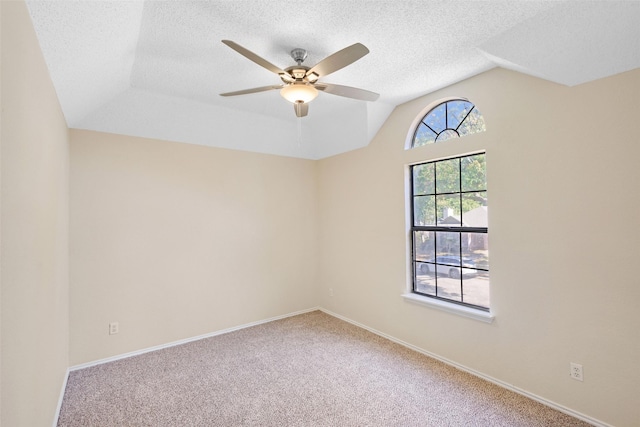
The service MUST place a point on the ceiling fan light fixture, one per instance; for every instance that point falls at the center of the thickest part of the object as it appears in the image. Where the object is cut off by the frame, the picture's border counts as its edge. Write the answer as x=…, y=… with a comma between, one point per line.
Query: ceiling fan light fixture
x=299, y=92
x=300, y=83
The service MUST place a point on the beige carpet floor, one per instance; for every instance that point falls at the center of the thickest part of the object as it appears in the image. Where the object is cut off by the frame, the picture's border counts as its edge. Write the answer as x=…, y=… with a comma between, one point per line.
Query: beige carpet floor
x=306, y=370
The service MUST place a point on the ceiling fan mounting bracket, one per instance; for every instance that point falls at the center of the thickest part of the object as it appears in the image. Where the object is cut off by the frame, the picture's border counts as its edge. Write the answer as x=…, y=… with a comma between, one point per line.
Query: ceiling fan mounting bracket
x=299, y=55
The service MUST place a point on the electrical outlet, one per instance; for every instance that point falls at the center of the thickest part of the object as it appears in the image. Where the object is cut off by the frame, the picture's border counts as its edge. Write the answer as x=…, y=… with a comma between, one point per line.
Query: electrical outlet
x=114, y=328
x=575, y=370
x=330, y=292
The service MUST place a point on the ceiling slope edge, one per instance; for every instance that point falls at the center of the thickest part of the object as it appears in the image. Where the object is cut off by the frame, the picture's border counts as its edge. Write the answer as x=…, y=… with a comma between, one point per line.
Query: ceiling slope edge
x=146, y=114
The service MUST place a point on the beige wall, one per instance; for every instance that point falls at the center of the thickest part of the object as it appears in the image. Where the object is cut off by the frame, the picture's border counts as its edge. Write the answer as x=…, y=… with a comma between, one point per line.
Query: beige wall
x=564, y=227
x=174, y=240
x=34, y=227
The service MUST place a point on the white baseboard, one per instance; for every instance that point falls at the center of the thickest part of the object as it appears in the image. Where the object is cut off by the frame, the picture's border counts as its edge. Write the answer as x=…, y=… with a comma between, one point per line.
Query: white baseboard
x=64, y=387
x=500, y=383
x=187, y=340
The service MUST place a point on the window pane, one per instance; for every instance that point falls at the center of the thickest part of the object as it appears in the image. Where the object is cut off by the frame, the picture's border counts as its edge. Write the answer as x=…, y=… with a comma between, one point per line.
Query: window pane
x=424, y=246
x=448, y=176
x=448, y=286
x=474, y=211
x=476, y=289
x=473, y=173
x=456, y=112
x=447, y=134
x=448, y=210
x=424, y=210
x=425, y=269
x=423, y=179
x=423, y=136
x=436, y=118
x=473, y=124
x=448, y=245
x=425, y=279
x=475, y=250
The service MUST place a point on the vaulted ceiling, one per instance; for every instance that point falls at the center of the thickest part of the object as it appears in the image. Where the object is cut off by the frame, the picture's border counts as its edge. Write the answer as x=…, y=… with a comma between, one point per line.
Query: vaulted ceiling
x=156, y=68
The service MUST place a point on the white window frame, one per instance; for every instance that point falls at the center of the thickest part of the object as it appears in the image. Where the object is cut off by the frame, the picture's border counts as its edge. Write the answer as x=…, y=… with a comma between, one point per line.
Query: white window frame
x=409, y=295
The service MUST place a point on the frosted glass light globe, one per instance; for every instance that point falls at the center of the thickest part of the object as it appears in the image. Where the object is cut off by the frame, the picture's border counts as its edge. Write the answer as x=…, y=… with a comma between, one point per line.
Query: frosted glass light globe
x=299, y=92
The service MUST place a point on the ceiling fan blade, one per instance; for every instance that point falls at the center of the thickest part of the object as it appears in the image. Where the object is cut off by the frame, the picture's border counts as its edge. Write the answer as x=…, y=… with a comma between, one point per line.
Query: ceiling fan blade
x=301, y=108
x=253, y=90
x=338, y=60
x=255, y=58
x=347, y=91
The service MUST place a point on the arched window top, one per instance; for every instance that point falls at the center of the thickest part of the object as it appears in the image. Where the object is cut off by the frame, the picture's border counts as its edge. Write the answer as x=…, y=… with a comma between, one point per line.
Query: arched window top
x=449, y=119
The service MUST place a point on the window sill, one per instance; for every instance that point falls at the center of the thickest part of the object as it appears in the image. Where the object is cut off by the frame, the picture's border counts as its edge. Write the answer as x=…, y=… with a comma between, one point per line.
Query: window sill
x=460, y=310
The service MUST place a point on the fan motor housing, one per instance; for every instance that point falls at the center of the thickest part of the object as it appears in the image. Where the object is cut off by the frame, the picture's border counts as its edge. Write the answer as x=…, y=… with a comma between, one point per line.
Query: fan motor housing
x=298, y=72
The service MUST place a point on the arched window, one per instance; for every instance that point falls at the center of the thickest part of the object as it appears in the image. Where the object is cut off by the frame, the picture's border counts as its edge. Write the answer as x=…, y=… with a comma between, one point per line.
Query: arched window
x=448, y=205
x=450, y=119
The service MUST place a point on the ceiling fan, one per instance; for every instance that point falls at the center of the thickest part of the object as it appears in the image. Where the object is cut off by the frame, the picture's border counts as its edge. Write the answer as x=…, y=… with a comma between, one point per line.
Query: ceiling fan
x=300, y=83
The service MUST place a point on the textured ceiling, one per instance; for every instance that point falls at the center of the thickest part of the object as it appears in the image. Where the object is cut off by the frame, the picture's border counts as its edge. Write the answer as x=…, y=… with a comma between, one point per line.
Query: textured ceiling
x=156, y=68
